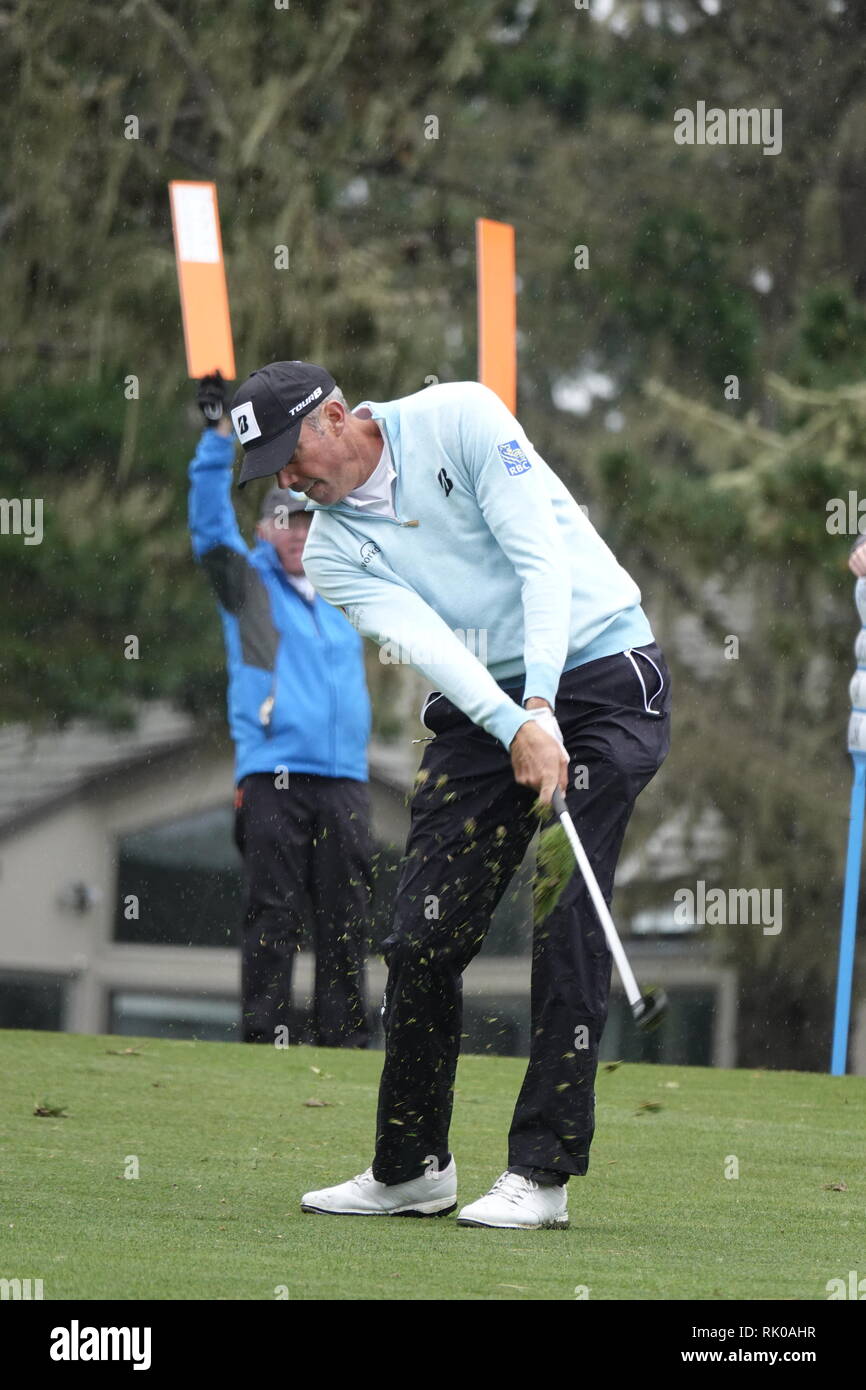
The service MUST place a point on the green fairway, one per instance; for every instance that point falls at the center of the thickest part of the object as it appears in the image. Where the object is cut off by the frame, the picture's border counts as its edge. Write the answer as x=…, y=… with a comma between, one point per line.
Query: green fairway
x=226, y=1145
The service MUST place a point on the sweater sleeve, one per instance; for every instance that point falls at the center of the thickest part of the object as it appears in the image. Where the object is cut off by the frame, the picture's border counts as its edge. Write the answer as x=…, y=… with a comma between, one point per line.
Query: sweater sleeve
x=395, y=616
x=514, y=500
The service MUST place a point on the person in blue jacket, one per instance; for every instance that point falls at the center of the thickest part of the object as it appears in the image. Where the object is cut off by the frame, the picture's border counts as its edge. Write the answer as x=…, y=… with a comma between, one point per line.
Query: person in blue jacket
x=299, y=715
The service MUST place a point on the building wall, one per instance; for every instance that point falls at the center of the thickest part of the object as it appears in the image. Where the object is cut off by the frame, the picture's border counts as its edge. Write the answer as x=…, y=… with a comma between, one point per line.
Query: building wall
x=77, y=843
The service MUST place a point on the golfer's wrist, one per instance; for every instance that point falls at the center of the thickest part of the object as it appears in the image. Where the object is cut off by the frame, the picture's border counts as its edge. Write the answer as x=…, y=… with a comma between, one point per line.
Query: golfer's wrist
x=545, y=718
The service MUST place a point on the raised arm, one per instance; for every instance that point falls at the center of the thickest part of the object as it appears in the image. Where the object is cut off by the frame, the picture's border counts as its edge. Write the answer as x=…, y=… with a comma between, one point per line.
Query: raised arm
x=216, y=538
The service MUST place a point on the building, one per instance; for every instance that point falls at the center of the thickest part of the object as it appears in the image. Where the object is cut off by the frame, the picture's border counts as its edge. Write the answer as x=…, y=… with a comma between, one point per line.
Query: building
x=121, y=900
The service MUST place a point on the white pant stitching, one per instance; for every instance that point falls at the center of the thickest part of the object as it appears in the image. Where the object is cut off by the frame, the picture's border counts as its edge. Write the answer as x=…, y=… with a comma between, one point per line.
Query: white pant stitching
x=647, y=704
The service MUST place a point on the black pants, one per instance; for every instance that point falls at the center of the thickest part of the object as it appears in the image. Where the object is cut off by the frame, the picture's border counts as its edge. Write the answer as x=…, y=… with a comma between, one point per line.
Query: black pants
x=307, y=844
x=470, y=828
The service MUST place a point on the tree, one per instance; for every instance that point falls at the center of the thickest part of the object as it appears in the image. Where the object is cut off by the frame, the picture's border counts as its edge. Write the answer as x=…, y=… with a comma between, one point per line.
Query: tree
x=366, y=139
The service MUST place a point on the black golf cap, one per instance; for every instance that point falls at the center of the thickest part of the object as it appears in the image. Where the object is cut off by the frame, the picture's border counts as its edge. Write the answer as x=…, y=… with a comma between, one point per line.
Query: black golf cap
x=267, y=412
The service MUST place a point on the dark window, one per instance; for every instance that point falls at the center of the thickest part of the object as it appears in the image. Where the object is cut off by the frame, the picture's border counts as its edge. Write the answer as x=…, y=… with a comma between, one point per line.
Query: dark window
x=684, y=1038
x=186, y=878
x=32, y=1000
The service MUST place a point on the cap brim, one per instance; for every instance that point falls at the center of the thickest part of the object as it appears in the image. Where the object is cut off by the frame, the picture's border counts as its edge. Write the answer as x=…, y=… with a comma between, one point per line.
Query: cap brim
x=266, y=460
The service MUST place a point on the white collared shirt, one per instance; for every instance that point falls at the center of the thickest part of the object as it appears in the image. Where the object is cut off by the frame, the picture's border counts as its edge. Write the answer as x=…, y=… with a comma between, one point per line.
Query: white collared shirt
x=377, y=494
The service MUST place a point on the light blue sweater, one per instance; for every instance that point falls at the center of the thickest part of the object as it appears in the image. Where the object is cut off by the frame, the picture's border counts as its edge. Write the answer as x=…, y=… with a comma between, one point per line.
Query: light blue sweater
x=490, y=571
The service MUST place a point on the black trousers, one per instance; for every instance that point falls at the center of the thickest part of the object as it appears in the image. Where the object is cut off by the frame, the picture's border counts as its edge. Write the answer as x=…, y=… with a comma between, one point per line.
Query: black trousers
x=471, y=824
x=305, y=846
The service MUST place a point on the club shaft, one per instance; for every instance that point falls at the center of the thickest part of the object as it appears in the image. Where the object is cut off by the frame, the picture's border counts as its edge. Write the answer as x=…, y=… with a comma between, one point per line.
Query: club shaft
x=616, y=947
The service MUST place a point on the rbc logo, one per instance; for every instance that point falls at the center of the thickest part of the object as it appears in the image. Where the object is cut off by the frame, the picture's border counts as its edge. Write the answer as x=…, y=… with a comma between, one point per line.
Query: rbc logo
x=514, y=458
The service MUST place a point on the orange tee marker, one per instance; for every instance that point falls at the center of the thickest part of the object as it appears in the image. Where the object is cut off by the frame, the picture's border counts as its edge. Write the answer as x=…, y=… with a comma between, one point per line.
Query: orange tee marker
x=201, y=275
x=497, y=312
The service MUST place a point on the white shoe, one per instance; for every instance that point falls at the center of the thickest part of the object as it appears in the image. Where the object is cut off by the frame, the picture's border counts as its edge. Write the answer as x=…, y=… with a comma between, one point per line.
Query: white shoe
x=516, y=1202
x=433, y=1194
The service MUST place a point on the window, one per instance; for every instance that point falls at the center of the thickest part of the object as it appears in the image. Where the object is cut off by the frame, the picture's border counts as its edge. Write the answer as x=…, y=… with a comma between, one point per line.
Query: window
x=685, y=1037
x=181, y=883
x=175, y=1016
x=32, y=1000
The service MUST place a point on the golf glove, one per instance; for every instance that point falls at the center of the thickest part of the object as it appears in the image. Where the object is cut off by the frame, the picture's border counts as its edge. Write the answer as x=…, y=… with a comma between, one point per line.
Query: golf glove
x=211, y=398
x=547, y=719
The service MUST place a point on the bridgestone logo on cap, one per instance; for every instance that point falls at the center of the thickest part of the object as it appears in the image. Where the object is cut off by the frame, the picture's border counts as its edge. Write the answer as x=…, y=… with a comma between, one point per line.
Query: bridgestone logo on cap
x=314, y=396
x=245, y=423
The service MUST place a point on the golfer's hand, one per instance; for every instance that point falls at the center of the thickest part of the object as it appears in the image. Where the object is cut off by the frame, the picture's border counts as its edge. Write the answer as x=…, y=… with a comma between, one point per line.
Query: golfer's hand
x=857, y=560
x=539, y=761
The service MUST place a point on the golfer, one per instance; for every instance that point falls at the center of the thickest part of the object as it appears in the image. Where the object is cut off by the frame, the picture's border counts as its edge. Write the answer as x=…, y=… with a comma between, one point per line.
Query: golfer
x=434, y=520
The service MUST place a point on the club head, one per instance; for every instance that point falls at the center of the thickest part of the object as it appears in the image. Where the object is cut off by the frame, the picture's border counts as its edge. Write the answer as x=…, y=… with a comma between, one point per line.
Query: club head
x=650, y=1009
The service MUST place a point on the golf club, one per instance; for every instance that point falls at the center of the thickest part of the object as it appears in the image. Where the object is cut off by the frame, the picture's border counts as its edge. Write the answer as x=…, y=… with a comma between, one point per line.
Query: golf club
x=647, y=1009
